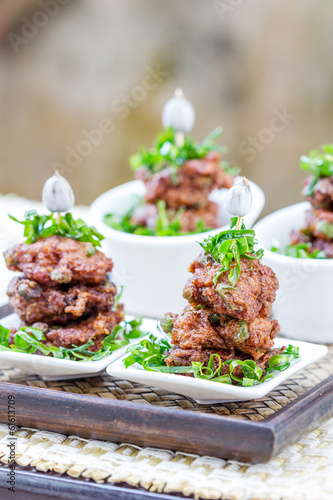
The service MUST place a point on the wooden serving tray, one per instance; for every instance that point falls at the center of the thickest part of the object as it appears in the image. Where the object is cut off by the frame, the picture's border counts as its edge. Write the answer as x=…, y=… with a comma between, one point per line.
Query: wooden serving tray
x=118, y=410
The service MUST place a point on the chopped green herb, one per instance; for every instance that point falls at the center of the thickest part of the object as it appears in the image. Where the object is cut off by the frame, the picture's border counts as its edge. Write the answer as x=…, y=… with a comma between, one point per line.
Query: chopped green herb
x=41, y=226
x=319, y=163
x=166, y=153
x=166, y=224
x=242, y=332
x=229, y=246
x=300, y=251
x=167, y=323
x=215, y=319
x=148, y=353
x=118, y=297
x=151, y=355
x=325, y=227
x=30, y=340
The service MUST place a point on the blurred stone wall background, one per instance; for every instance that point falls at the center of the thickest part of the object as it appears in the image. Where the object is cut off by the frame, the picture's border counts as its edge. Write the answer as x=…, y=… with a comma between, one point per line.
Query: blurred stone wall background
x=261, y=69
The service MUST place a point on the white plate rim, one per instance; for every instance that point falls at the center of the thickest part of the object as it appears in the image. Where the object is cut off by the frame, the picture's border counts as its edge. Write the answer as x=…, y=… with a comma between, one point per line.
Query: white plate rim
x=73, y=367
x=116, y=369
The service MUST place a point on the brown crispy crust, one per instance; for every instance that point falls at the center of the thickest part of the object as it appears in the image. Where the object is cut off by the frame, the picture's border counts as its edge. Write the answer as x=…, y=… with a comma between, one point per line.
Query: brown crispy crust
x=203, y=329
x=34, y=302
x=252, y=295
x=196, y=179
x=77, y=333
x=56, y=260
x=322, y=194
x=315, y=216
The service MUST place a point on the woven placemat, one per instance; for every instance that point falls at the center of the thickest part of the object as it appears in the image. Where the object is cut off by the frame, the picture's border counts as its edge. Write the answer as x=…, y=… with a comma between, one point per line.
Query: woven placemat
x=302, y=471
x=107, y=387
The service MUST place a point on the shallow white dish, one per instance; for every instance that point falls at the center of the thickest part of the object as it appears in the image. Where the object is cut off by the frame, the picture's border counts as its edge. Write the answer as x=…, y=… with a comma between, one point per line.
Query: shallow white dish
x=56, y=369
x=205, y=391
x=153, y=269
x=304, y=300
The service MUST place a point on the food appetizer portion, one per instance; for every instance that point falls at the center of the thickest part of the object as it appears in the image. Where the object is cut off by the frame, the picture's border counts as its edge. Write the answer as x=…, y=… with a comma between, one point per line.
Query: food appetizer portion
x=315, y=240
x=179, y=174
x=67, y=304
x=224, y=334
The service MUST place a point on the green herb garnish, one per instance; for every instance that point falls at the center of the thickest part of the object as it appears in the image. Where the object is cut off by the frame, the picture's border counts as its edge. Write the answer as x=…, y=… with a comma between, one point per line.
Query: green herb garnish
x=229, y=246
x=319, y=163
x=41, y=226
x=300, y=251
x=29, y=340
x=325, y=227
x=165, y=153
x=166, y=224
x=151, y=355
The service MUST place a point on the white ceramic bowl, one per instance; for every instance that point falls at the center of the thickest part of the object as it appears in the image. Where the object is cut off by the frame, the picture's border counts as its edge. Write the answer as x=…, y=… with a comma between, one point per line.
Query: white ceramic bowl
x=304, y=301
x=154, y=269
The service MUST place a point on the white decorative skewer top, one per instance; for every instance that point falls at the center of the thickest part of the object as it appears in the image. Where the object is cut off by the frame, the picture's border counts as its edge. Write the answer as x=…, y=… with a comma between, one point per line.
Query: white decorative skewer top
x=57, y=194
x=179, y=114
x=239, y=200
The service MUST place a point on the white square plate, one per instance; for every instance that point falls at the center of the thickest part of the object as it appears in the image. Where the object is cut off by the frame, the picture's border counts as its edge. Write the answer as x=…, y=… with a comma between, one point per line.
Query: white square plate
x=205, y=391
x=53, y=368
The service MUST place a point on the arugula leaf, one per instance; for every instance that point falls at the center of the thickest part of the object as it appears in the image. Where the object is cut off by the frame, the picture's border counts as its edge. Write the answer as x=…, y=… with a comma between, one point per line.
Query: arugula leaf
x=319, y=163
x=41, y=226
x=165, y=153
x=229, y=246
x=300, y=251
x=30, y=340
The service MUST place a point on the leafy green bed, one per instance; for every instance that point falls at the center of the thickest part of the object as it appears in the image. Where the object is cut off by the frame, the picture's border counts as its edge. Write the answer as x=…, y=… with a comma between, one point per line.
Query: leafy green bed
x=30, y=340
x=151, y=354
x=165, y=225
x=300, y=251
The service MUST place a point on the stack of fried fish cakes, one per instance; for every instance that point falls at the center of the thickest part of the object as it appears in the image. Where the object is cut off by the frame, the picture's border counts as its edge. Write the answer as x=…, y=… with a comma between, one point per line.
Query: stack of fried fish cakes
x=232, y=321
x=319, y=218
x=64, y=290
x=187, y=189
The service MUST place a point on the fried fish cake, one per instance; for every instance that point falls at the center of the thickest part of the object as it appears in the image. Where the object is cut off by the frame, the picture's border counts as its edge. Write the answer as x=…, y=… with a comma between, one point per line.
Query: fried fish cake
x=34, y=302
x=252, y=295
x=322, y=196
x=195, y=180
x=95, y=328
x=204, y=329
x=320, y=223
x=57, y=260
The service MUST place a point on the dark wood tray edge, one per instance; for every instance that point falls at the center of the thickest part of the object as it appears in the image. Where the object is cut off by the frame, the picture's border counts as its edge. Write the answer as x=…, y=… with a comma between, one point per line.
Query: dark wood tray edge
x=175, y=429
x=123, y=421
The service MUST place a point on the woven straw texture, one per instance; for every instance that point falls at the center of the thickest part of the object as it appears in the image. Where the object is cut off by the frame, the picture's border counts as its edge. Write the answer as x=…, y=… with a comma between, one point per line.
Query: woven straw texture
x=107, y=387
x=302, y=471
